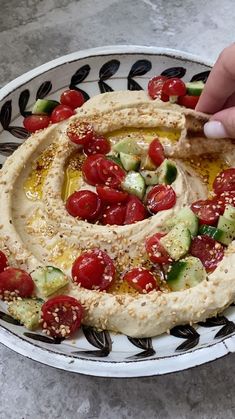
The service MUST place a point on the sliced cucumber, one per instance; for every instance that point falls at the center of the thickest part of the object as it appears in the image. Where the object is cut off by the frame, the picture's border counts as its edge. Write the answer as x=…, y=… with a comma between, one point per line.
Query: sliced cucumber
x=213, y=232
x=228, y=227
x=229, y=213
x=49, y=279
x=116, y=160
x=134, y=184
x=129, y=161
x=150, y=176
x=27, y=311
x=128, y=146
x=177, y=241
x=186, y=216
x=167, y=172
x=44, y=106
x=195, y=88
x=186, y=273
x=147, y=163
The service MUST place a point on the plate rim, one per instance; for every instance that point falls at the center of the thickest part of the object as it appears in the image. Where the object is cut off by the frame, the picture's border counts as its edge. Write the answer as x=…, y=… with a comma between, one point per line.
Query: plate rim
x=106, y=369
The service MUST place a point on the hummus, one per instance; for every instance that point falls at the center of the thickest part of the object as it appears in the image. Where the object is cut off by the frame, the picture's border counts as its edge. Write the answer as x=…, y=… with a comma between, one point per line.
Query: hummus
x=39, y=231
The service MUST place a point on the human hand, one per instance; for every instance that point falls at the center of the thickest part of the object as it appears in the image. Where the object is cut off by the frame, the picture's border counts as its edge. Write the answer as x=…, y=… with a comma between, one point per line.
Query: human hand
x=218, y=97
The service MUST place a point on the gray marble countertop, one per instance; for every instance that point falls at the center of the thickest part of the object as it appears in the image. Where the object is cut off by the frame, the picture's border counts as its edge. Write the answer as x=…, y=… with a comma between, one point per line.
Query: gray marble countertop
x=31, y=33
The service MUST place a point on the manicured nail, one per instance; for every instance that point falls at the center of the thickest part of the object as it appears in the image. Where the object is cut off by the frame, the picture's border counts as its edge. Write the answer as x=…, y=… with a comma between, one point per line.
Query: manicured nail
x=215, y=129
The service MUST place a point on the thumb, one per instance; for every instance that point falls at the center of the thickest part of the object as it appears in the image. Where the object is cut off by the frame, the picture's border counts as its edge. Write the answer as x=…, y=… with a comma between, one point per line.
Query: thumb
x=221, y=124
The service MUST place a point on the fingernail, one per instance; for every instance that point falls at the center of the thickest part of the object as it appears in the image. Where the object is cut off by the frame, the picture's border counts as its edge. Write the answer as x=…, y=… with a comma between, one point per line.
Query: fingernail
x=215, y=129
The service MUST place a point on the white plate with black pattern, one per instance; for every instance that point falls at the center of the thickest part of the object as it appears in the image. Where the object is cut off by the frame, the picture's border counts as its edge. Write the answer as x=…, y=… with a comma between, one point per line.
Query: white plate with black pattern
x=92, y=352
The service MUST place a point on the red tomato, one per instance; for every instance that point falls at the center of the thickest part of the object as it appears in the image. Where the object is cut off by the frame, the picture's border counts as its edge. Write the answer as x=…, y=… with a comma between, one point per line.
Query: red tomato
x=225, y=181
x=226, y=198
x=110, y=173
x=161, y=197
x=90, y=169
x=110, y=195
x=72, y=98
x=114, y=214
x=135, y=210
x=80, y=132
x=188, y=101
x=34, y=123
x=208, y=250
x=141, y=279
x=156, y=252
x=17, y=282
x=60, y=113
x=3, y=261
x=155, y=86
x=207, y=211
x=174, y=87
x=97, y=145
x=156, y=152
x=61, y=316
x=94, y=269
x=84, y=204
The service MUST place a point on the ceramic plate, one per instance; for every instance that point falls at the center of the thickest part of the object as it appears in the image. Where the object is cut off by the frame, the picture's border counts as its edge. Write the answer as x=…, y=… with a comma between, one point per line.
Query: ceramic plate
x=102, y=353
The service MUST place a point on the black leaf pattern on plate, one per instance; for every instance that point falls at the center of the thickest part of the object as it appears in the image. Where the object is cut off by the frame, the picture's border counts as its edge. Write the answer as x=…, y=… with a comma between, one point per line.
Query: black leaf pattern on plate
x=104, y=87
x=80, y=75
x=100, y=340
x=19, y=132
x=109, y=69
x=0, y=166
x=6, y=149
x=186, y=332
x=174, y=72
x=133, y=85
x=6, y=318
x=143, y=343
x=44, y=90
x=140, y=68
x=214, y=321
x=23, y=102
x=201, y=76
x=5, y=114
x=226, y=330
x=43, y=338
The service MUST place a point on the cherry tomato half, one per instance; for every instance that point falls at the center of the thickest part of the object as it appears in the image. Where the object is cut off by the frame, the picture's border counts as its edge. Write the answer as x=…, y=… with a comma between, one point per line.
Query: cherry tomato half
x=156, y=252
x=17, y=282
x=111, y=195
x=135, y=210
x=60, y=113
x=80, y=132
x=61, y=316
x=208, y=211
x=110, y=173
x=208, y=250
x=3, y=261
x=188, y=101
x=156, y=152
x=84, y=204
x=90, y=169
x=114, y=214
x=226, y=198
x=161, y=197
x=155, y=86
x=225, y=181
x=174, y=87
x=94, y=269
x=141, y=279
x=72, y=98
x=34, y=123
x=97, y=145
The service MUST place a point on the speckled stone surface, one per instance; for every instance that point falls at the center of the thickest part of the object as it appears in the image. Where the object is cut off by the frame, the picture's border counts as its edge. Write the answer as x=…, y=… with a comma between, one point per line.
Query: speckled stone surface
x=31, y=33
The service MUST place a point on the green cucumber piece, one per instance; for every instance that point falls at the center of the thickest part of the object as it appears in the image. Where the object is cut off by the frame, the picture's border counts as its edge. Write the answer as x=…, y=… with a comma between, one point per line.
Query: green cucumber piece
x=186, y=273
x=147, y=163
x=129, y=161
x=195, y=88
x=229, y=212
x=177, y=241
x=27, y=311
x=128, y=146
x=213, y=232
x=44, y=106
x=49, y=279
x=134, y=184
x=228, y=227
x=187, y=217
x=167, y=172
x=150, y=176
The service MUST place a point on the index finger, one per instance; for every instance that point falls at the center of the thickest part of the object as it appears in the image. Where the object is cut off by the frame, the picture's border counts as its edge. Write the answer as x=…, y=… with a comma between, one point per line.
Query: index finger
x=220, y=84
